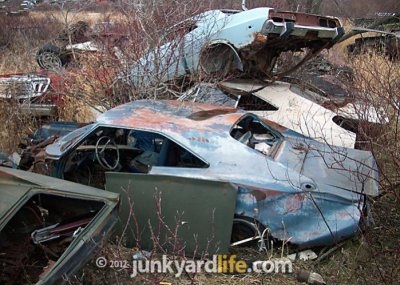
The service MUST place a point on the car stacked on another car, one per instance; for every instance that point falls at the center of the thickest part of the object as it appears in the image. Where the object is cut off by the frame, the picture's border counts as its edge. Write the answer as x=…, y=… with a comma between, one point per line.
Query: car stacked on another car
x=302, y=190
x=220, y=41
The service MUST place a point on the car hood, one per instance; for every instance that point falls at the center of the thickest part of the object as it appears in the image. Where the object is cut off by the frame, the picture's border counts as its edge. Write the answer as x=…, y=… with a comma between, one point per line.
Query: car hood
x=334, y=170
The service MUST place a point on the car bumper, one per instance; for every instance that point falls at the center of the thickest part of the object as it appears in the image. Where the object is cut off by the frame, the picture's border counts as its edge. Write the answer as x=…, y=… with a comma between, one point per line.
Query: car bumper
x=40, y=110
x=286, y=29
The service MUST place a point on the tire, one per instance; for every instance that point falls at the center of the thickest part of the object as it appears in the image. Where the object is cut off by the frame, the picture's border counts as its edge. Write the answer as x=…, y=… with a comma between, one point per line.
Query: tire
x=245, y=227
x=51, y=57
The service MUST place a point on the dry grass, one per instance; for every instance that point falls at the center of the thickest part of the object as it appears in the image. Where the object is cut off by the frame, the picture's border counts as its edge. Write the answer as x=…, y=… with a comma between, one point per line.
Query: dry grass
x=72, y=16
x=374, y=73
x=14, y=126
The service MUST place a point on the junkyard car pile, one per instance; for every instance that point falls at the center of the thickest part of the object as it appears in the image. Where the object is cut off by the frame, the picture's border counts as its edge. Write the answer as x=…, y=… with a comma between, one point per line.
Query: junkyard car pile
x=13, y=7
x=79, y=38
x=246, y=156
x=42, y=93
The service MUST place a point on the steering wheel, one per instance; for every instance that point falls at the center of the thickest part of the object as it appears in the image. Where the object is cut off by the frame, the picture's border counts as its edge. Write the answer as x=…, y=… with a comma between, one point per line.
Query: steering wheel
x=100, y=152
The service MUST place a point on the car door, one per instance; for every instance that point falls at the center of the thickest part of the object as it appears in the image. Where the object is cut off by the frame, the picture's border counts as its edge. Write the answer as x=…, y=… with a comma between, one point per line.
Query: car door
x=178, y=213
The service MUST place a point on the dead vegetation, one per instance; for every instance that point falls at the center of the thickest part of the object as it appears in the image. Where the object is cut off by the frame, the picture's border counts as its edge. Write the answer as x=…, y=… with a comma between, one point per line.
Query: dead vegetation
x=370, y=259
x=376, y=82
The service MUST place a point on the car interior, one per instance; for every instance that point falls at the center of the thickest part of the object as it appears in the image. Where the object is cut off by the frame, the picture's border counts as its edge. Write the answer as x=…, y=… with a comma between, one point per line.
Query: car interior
x=256, y=135
x=124, y=150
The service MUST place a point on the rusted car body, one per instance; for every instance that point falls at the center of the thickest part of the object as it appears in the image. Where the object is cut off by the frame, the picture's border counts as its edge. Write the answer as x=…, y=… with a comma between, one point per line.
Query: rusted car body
x=48, y=227
x=380, y=34
x=80, y=38
x=304, y=191
x=219, y=41
x=386, y=43
x=287, y=104
x=39, y=93
x=325, y=119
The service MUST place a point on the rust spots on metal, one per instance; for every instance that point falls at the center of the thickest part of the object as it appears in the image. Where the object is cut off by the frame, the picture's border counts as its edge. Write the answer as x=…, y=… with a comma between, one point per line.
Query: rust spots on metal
x=260, y=38
x=167, y=115
x=294, y=203
x=259, y=41
x=203, y=115
x=259, y=195
x=263, y=194
x=304, y=19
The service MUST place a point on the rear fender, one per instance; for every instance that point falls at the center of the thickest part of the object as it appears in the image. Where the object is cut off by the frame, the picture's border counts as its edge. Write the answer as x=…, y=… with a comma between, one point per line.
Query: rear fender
x=237, y=62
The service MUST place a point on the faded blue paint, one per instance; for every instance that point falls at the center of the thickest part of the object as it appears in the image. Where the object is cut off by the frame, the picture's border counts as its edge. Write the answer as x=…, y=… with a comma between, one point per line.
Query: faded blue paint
x=293, y=190
x=237, y=30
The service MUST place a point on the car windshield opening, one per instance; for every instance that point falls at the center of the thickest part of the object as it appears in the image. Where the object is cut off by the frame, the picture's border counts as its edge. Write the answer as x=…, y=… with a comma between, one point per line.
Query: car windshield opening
x=109, y=149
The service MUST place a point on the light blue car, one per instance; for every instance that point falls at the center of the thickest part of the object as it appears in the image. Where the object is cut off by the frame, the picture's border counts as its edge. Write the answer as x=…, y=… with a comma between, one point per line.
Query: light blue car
x=303, y=191
x=219, y=41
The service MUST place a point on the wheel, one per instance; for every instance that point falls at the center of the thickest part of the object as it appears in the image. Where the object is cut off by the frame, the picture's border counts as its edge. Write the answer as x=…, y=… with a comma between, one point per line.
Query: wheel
x=247, y=231
x=101, y=155
x=51, y=57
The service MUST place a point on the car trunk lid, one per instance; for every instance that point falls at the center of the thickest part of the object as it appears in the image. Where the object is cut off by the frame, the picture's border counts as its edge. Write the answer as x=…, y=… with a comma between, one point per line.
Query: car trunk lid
x=338, y=169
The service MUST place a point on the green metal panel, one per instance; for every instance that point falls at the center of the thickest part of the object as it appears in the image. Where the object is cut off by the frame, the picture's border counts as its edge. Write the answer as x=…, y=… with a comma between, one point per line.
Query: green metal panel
x=201, y=210
x=9, y=196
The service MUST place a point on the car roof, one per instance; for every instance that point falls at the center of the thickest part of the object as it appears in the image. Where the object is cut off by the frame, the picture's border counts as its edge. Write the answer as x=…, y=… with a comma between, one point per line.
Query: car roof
x=171, y=116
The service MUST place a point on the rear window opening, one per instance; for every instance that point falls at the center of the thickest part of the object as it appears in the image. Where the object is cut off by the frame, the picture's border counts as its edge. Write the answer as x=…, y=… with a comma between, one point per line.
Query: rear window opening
x=241, y=100
x=250, y=102
x=255, y=134
x=347, y=124
x=213, y=95
x=39, y=233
